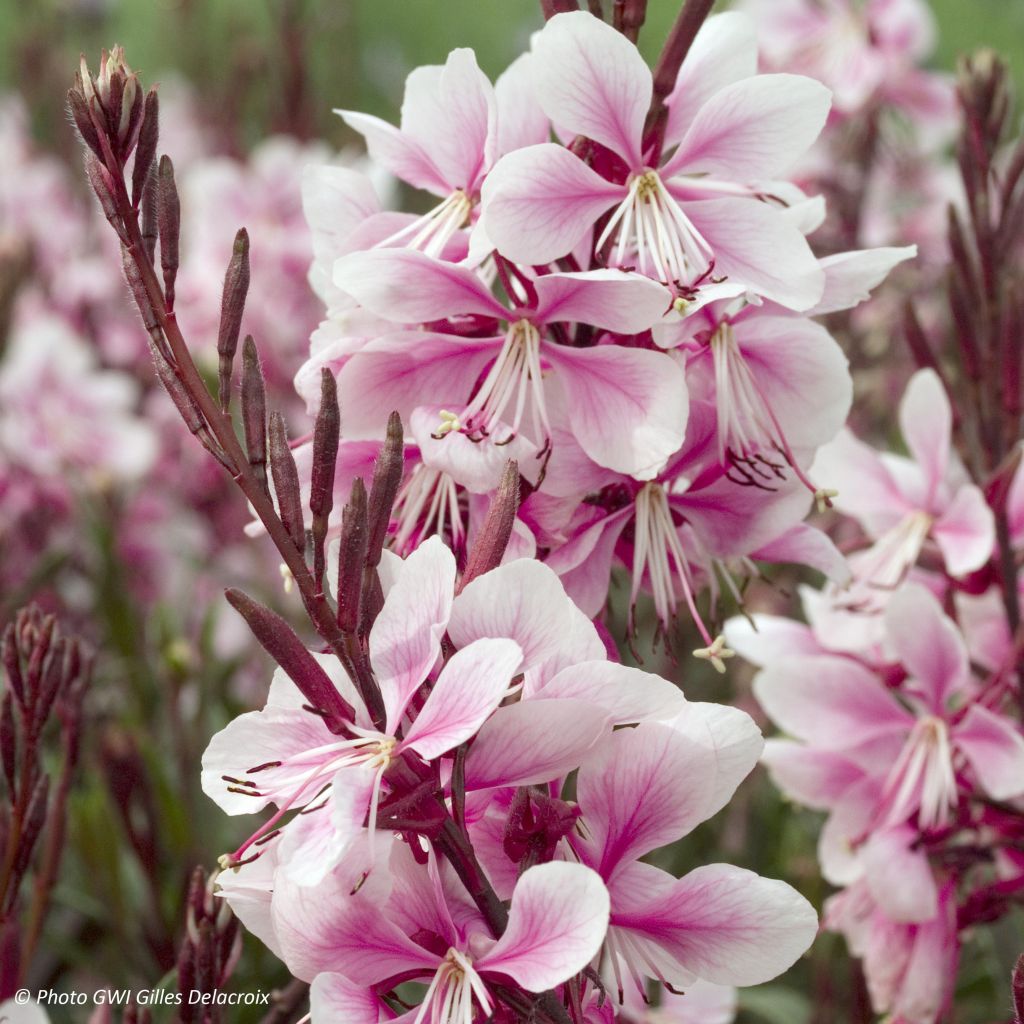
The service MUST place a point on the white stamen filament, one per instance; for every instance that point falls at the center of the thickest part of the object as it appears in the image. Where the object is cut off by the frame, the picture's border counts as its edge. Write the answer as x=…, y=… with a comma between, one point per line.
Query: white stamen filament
x=657, y=549
x=432, y=232
x=885, y=564
x=654, y=234
x=427, y=504
x=449, y=997
x=922, y=779
x=514, y=379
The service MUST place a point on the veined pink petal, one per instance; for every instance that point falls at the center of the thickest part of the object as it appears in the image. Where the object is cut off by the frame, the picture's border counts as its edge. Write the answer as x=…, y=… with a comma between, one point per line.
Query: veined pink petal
x=408, y=286
x=926, y=423
x=719, y=923
x=757, y=246
x=804, y=544
x=733, y=738
x=609, y=299
x=333, y=999
x=769, y=637
x=592, y=81
x=627, y=406
x=643, y=788
x=965, y=531
x=539, y=202
x=450, y=112
x=850, y=277
x=248, y=890
x=627, y=694
x=398, y=371
x=753, y=130
x=724, y=51
x=406, y=638
x=469, y=688
x=397, y=152
x=995, y=749
x=828, y=701
x=899, y=876
x=523, y=600
x=928, y=644
x=521, y=120
x=335, y=200
x=816, y=778
x=556, y=924
x=532, y=742
x=327, y=928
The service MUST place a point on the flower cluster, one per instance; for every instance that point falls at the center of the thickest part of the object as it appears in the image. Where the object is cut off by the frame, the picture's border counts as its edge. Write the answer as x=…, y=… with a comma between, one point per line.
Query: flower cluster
x=628, y=312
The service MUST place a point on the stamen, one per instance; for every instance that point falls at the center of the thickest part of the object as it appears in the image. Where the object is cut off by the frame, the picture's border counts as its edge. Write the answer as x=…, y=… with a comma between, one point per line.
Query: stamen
x=428, y=504
x=432, y=232
x=922, y=780
x=653, y=233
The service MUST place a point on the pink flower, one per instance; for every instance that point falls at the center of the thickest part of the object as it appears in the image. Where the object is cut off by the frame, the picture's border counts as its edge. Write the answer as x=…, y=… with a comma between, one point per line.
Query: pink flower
x=626, y=406
x=700, y=211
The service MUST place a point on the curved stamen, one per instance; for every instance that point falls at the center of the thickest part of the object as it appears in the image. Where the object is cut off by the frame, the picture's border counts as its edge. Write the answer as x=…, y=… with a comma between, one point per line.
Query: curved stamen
x=428, y=504
x=432, y=232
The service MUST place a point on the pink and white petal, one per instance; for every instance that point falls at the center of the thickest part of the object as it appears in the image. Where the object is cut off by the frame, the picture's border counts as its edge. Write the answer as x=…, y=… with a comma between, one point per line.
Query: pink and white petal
x=584, y=563
x=335, y=200
x=333, y=999
x=926, y=423
x=769, y=637
x=471, y=685
x=965, y=531
x=852, y=817
x=721, y=923
x=815, y=778
x=701, y=1003
x=804, y=544
x=252, y=740
x=628, y=406
x=724, y=51
x=327, y=928
x=396, y=152
x=521, y=119
x=610, y=299
x=406, y=637
x=801, y=373
x=643, y=788
x=532, y=742
x=398, y=371
x=592, y=81
x=995, y=749
x=450, y=112
x=828, y=701
x=756, y=246
x=733, y=738
x=850, y=277
x=753, y=130
x=928, y=645
x=556, y=925
x=626, y=694
x=408, y=286
x=523, y=600
x=540, y=202
x=899, y=876
x=248, y=889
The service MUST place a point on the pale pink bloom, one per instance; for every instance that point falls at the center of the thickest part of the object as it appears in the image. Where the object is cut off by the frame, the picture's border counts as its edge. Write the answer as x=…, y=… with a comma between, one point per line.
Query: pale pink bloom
x=892, y=760
x=416, y=922
x=697, y=213
x=910, y=967
x=286, y=756
x=701, y=1003
x=454, y=126
x=908, y=504
x=626, y=406
x=645, y=788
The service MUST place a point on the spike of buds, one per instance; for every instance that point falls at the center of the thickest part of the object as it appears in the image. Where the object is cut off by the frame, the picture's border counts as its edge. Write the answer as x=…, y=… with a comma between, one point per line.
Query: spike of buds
x=387, y=478
x=254, y=410
x=236, y=288
x=280, y=642
x=168, y=208
x=326, y=440
x=286, y=482
x=489, y=547
x=145, y=151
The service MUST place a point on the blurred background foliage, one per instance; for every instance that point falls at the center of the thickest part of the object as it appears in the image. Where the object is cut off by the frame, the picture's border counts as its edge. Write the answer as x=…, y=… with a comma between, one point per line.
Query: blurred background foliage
x=139, y=820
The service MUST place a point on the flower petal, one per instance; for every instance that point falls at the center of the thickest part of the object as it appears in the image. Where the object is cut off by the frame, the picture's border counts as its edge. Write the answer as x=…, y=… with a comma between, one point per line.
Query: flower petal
x=556, y=925
x=609, y=299
x=965, y=532
x=406, y=637
x=592, y=81
x=899, y=876
x=396, y=152
x=850, y=277
x=470, y=687
x=995, y=749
